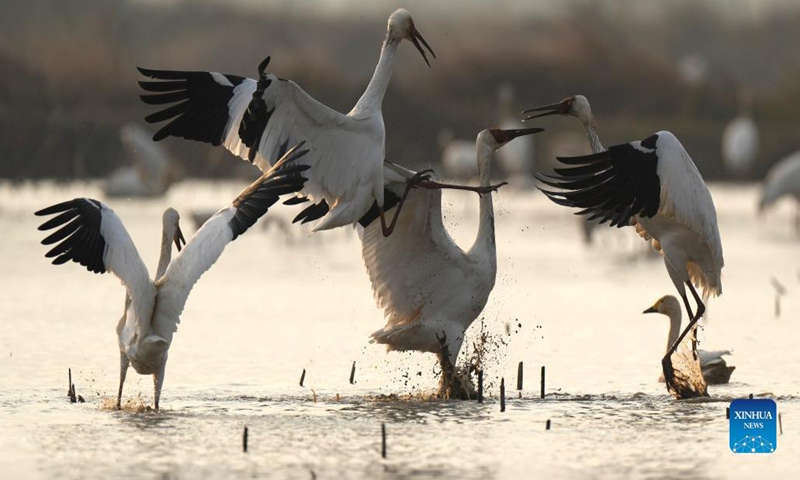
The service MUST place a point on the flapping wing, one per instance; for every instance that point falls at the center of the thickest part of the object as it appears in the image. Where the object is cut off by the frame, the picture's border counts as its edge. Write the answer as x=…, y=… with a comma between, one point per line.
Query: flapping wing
x=259, y=120
x=91, y=234
x=210, y=240
x=613, y=185
x=419, y=251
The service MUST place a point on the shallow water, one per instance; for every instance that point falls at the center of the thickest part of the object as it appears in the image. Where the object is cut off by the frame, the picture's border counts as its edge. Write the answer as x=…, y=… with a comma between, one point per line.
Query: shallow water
x=277, y=303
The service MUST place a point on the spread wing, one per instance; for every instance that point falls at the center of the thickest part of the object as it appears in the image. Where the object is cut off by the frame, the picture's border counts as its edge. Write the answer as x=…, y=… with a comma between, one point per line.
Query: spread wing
x=91, y=234
x=613, y=185
x=259, y=120
x=419, y=251
x=207, y=244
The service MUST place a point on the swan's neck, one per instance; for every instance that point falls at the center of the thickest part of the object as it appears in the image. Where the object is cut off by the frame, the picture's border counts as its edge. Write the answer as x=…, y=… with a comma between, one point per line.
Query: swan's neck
x=484, y=245
x=167, y=234
x=372, y=98
x=594, y=139
x=674, y=327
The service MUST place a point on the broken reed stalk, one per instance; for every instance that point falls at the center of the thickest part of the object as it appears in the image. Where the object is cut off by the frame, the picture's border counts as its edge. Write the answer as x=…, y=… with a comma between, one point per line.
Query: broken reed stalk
x=541, y=394
x=244, y=440
x=480, y=386
x=353, y=374
x=728, y=413
x=383, y=440
x=780, y=424
x=502, y=394
x=302, y=377
x=547, y=425
x=519, y=376
x=69, y=383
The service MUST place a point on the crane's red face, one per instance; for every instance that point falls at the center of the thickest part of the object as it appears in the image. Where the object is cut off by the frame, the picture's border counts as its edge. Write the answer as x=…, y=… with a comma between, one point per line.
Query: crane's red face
x=564, y=107
x=505, y=136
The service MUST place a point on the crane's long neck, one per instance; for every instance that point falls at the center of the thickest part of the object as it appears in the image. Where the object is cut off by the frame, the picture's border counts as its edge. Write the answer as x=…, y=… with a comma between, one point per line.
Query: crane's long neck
x=594, y=139
x=485, y=242
x=674, y=327
x=167, y=234
x=372, y=98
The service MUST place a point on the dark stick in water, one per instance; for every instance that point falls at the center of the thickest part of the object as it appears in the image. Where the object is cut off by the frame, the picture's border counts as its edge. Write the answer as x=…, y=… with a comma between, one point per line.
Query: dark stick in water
x=480, y=386
x=502, y=394
x=519, y=376
x=302, y=377
x=542, y=386
x=244, y=440
x=353, y=374
x=547, y=425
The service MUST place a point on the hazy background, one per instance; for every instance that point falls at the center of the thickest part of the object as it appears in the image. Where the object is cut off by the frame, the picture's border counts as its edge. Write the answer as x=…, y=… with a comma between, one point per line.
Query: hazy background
x=68, y=78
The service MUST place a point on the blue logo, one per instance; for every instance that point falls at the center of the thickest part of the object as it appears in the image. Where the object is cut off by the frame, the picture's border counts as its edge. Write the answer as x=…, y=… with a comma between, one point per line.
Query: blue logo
x=753, y=426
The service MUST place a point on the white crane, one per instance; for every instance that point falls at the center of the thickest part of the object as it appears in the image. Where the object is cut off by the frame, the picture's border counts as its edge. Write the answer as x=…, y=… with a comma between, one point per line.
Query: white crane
x=430, y=289
x=783, y=179
x=152, y=170
x=258, y=119
x=715, y=370
x=740, y=144
x=90, y=233
x=654, y=185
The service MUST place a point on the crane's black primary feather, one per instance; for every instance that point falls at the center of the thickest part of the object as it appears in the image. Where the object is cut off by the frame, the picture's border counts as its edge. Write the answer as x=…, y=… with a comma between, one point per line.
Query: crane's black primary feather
x=612, y=186
x=78, y=237
x=202, y=113
x=256, y=199
x=312, y=212
x=319, y=210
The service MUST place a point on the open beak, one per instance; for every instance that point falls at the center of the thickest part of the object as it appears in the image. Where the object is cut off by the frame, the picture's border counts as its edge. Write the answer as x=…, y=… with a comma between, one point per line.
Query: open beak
x=561, y=108
x=652, y=309
x=416, y=37
x=179, y=240
x=504, y=136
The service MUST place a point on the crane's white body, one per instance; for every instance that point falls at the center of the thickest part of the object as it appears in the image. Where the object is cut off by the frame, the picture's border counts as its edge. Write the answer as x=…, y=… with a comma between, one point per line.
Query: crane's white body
x=740, y=144
x=428, y=287
x=685, y=228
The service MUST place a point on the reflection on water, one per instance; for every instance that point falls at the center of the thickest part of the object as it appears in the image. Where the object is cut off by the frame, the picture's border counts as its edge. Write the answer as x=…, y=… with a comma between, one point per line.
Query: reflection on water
x=271, y=308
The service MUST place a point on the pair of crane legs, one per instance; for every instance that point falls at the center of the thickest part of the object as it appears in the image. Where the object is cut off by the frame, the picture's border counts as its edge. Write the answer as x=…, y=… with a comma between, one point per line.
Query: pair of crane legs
x=666, y=362
x=422, y=179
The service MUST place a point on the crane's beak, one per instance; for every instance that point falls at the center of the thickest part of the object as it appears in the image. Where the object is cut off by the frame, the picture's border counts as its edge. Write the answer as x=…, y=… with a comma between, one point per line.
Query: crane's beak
x=505, y=136
x=179, y=240
x=561, y=108
x=415, y=38
x=652, y=309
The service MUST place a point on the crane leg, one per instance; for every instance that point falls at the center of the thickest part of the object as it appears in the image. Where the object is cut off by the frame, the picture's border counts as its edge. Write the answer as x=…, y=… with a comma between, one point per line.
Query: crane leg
x=430, y=184
x=666, y=362
x=123, y=371
x=418, y=177
x=158, y=381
